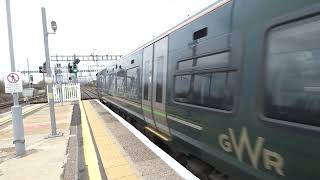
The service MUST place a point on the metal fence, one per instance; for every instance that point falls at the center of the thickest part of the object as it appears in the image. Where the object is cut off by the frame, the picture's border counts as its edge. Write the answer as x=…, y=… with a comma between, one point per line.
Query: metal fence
x=66, y=92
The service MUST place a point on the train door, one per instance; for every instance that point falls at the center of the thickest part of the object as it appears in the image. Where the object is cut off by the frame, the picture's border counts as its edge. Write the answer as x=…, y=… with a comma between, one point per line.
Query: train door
x=147, y=85
x=159, y=85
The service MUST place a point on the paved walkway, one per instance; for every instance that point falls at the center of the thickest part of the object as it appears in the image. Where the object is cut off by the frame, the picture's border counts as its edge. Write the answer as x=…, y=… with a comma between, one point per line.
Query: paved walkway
x=45, y=157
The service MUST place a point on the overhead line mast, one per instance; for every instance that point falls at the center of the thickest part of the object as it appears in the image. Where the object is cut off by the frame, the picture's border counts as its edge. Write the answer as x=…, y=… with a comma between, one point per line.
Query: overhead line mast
x=85, y=57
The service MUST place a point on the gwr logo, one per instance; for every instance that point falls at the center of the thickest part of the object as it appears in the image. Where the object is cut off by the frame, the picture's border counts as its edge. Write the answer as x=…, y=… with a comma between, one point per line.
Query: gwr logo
x=270, y=159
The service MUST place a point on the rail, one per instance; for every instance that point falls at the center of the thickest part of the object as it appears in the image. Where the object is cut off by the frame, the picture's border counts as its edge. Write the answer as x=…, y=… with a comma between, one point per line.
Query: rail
x=88, y=93
x=32, y=100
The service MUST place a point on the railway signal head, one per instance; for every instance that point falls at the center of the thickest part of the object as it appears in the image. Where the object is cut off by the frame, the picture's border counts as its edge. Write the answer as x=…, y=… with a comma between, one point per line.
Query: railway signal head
x=69, y=68
x=40, y=69
x=74, y=68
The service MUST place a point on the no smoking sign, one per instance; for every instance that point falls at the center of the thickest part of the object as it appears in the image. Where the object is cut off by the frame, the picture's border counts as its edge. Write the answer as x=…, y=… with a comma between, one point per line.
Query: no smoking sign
x=13, y=82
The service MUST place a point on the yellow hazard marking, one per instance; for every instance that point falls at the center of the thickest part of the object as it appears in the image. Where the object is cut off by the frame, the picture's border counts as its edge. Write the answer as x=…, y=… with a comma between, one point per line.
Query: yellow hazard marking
x=114, y=160
x=90, y=154
x=25, y=111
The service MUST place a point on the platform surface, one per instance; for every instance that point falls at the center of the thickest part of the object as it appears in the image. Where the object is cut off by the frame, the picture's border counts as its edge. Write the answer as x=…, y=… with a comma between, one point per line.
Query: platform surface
x=45, y=157
x=122, y=154
x=7, y=117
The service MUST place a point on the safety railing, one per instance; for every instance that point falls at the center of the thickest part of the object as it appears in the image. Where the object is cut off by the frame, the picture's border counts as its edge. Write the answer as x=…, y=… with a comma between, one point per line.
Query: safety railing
x=66, y=92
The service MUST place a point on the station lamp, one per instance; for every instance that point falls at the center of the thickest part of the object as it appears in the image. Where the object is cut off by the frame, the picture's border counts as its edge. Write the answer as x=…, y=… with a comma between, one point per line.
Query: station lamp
x=54, y=26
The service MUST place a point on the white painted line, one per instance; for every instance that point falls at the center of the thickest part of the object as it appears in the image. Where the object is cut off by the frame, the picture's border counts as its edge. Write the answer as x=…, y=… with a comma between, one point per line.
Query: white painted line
x=181, y=170
x=185, y=123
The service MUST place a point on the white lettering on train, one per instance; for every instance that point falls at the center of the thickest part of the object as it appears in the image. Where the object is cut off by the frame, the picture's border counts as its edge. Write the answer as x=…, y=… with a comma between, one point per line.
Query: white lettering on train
x=271, y=159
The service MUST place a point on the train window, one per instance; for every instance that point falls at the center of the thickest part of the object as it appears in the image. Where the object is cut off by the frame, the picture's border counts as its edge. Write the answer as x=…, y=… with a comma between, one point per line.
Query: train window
x=112, y=84
x=102, y=82
x=159, y=78
x=214, y=90
x=222, y=90
x=109, y=84
x=201, y=88
x=106, y=78
x=200, y=34
x=292, y=86
x=182, y=88
x=133, y=83
x=146, y=74
x=216, y=60
x=185, y=64
x=121, y=83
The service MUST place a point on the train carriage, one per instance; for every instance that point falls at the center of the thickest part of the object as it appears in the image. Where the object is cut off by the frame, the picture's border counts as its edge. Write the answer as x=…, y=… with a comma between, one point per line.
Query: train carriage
x=235, y=88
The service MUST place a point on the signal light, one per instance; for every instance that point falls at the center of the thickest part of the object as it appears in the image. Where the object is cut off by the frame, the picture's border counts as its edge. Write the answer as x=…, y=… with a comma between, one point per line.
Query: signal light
x=74, y=68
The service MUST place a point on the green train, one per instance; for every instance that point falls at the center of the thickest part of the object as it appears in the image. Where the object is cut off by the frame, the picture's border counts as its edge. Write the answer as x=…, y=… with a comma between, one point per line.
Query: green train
x=235, y=89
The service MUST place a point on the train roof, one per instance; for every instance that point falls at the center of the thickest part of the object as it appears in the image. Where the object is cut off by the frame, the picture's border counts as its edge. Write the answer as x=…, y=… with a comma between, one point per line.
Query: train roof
x=203, y=12
x=194, y=17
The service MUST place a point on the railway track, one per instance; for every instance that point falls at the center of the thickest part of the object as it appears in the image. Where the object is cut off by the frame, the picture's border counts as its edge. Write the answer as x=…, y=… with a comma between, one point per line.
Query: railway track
x=88, y=93
x=33, y=100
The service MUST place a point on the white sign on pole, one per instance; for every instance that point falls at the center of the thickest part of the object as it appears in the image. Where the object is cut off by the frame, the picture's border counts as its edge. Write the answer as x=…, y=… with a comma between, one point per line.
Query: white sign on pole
x=13, y=82
x=28, y=92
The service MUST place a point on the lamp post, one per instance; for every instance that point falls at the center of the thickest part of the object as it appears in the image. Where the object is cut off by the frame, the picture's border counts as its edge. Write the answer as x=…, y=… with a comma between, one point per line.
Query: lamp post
x=18, y=130
x=28, y=73
x=49, y=80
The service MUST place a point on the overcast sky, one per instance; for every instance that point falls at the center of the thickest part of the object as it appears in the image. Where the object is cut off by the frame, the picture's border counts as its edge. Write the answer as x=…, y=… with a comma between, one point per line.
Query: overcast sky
x=109, y=26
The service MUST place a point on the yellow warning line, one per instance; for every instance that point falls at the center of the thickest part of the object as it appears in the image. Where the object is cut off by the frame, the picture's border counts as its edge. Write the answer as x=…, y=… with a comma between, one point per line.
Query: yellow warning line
x=114, y=160
x=90, y=154
x=25, y=111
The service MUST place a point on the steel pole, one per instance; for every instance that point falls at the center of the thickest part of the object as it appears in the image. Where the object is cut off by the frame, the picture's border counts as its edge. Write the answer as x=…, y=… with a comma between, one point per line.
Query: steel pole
x=49, y=74
x=28, y=73
x=18, y=130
